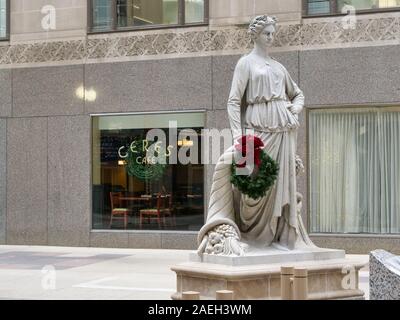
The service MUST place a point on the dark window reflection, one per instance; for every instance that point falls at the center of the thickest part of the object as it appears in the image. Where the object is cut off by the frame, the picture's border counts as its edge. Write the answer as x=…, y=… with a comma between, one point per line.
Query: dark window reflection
x=3, y=18
x=174, y=201
x=147, y=12
x=136, y=14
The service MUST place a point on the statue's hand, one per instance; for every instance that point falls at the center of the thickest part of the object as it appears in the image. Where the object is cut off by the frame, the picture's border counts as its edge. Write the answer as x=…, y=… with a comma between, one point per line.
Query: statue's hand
x=295, y=109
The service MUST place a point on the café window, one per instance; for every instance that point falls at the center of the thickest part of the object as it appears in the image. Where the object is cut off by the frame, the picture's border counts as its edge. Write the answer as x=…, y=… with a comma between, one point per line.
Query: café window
x=355, y=170
x=147, y=172
x=4, y=16
x=331, y=7
x=117, y=15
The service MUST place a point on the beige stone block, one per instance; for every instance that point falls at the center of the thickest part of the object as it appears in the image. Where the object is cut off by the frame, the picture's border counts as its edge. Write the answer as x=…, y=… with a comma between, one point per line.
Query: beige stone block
x=179, y=282
x=36, y=5
x=346, y=280
x=274, y=7
x=274, y=287
x=230, y=8
x=206, y=287
x=26, y=18
x=17, y=5
x=334, y=281
x=190, y=295
x=317, y=282
x=250, y=289
x=224, y=295
x=42, y=36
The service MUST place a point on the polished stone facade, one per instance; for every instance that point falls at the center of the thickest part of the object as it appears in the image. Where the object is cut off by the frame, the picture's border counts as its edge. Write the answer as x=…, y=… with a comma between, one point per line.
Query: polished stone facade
x=369, y=30
x=45, y=133
x=46, y=198
x=27, y=181
x=3, y=181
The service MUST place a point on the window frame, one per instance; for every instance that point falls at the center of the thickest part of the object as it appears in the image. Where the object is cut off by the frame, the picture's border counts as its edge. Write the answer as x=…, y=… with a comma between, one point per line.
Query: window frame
x=308, y=213
x=7, y=37
x=114, y=28
x=138, y=231
x=334, y=13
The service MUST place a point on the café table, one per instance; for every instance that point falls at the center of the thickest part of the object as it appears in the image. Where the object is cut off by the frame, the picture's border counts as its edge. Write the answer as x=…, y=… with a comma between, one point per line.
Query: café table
x=132, y=199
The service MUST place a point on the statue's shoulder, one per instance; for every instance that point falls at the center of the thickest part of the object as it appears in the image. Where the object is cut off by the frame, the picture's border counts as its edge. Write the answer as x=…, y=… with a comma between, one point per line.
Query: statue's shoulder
x=244, y=59
x=278, y=63
x=243, y=62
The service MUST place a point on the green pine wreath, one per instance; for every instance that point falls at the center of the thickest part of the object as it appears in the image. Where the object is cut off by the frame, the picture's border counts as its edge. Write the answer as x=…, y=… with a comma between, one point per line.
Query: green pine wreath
x=143, y=171
x=256, y=186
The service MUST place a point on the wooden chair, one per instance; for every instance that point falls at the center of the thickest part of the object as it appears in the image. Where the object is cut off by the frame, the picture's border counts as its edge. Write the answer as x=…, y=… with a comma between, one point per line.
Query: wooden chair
x=168, y=211
x=159, y=213
x=116, y=211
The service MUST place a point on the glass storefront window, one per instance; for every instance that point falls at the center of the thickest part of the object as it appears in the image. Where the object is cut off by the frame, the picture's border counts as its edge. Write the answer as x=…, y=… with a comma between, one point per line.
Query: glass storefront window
x=319, y=7
x=133, y=191
x=137, y=14
x=355, y=171
x=194, y=11
x=368, y=4
x=3, y=19
x=146, y=12
x=102, y=15
x=323, y=7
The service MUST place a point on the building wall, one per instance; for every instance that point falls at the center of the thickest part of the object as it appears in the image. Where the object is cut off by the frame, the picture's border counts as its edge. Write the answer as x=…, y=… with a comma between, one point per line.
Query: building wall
x=45, y=146
x=71, y=19
x=72, y=16
x=3, y=180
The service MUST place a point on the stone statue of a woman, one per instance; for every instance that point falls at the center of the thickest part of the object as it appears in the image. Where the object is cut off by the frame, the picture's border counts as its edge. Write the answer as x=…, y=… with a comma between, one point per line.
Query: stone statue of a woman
x=272, y=104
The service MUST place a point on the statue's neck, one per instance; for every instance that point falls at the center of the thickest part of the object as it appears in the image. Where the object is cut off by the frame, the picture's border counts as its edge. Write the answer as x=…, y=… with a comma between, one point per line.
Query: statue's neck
x=261, y=52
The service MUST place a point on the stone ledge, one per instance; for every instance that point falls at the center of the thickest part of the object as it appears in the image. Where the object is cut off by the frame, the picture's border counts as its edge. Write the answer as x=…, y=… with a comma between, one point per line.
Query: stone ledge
x=239, y=272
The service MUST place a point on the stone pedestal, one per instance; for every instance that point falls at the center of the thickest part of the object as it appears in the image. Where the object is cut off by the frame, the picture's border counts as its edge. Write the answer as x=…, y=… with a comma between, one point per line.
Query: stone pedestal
x=327, y=279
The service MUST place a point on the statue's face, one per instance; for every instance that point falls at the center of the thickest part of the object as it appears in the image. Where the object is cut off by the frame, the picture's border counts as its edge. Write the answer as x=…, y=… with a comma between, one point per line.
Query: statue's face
x=266, y=36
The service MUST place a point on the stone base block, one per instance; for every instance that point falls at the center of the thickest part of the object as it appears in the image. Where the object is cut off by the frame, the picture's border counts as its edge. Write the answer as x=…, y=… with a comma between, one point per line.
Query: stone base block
x=327, y=279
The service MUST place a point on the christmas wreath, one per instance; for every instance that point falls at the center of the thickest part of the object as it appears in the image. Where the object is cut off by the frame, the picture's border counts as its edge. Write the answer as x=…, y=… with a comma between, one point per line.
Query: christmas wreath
x=140, y=166
x=255, y=184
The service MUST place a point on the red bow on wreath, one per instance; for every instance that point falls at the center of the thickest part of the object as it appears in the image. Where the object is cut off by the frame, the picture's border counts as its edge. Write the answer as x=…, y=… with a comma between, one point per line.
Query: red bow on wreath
x=249, y=146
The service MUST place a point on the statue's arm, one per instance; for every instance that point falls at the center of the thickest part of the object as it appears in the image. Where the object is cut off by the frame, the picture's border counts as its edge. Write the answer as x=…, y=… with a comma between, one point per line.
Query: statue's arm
x=239, y=83
x=294, y=93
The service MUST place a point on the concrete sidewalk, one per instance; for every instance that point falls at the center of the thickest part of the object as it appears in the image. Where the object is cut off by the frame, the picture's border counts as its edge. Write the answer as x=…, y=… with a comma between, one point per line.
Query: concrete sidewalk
x=30, y=272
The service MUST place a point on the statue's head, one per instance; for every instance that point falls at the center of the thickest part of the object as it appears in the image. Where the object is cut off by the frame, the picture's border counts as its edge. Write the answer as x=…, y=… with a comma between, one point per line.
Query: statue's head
x=262, y=30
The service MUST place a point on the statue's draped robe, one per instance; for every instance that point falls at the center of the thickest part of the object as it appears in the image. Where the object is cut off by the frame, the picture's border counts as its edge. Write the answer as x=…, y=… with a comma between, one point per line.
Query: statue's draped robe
x=268, y=90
